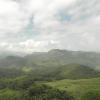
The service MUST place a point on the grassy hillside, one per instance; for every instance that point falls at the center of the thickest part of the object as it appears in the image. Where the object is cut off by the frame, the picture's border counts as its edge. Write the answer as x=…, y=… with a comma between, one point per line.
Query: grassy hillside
x=19, y=88
x=75, y=71
x=70, y=71
x=33, y=92
x=9, y=94
x=77, y=87
x=53, y=75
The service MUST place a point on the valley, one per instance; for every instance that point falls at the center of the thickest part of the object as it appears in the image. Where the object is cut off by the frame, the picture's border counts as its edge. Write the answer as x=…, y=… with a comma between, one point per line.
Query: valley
x=53, y=75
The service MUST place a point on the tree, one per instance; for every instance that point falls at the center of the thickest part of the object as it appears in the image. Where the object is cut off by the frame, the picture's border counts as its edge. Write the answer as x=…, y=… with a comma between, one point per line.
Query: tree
x=44, y=92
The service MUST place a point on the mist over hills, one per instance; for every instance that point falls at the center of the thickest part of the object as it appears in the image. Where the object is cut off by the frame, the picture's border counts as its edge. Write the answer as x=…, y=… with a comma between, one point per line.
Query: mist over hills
x=73, y=71
x=52, y=58
x=55, y=64
x=57, y=57
x=4, y=54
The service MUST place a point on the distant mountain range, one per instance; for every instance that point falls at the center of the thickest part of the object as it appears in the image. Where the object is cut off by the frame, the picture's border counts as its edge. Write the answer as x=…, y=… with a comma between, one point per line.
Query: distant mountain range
x=4, y=54
x=53, y=57
x=62, y=57
x=57, y=64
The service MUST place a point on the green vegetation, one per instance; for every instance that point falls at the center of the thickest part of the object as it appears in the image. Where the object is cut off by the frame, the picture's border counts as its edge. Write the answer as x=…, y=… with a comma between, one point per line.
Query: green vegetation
x=8, y=94
x=53, y=75
x=24, y=88
x=73, y=71
x=43, y=92
x=35, y=92
x=10, y=72
x=79, y=88
x=91, y=95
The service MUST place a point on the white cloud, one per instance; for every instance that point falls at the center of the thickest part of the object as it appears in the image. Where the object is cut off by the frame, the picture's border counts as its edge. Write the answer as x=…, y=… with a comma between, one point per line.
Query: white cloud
x=28, y=46
x=66, y=24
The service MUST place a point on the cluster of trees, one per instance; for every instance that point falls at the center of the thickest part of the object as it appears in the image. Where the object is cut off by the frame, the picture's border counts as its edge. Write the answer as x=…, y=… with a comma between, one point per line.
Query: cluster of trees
x=44, y=92
x=25, y=88
x=36, y=92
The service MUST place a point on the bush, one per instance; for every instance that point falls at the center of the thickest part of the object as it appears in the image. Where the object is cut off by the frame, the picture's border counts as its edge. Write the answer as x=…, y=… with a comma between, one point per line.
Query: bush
x=91, y=95
x=44, y=92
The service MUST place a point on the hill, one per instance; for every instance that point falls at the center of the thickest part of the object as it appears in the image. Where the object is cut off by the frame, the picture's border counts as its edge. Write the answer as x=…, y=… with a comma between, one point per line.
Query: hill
x=62, y=57
x=55, y=64
x=12, y=61
x=53, y=57
x=78, y=87
x=75, y=71
x=70, y=71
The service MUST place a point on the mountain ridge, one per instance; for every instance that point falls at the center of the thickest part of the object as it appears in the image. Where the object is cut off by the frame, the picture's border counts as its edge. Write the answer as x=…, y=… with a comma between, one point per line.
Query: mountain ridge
x=56, y=57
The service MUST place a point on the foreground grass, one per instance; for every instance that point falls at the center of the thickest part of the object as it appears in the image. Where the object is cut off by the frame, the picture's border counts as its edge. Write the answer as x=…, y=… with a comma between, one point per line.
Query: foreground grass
x=81, y=89
x=77, y=87
x=9, y=94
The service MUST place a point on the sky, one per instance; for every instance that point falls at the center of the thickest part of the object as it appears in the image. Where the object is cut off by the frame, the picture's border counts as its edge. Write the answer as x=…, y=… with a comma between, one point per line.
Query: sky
x=40, y=25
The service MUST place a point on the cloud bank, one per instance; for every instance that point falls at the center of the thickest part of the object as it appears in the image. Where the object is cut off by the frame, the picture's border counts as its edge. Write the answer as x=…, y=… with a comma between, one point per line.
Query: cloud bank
x=40, y=25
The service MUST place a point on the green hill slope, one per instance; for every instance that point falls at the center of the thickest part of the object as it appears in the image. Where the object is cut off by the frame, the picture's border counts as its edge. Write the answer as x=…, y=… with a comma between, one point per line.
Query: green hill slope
x=76, y=71
x=70, y=71
x=78, y=87
x=54, y=57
